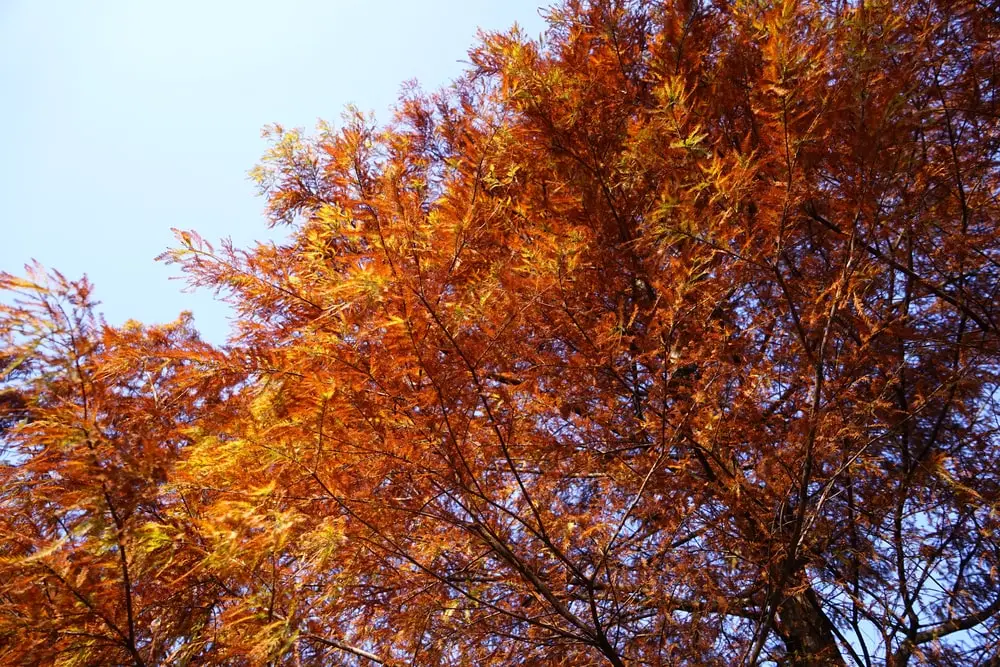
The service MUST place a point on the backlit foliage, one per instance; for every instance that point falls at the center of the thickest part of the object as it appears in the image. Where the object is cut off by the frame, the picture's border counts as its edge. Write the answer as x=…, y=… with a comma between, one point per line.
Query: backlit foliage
x=668, y=339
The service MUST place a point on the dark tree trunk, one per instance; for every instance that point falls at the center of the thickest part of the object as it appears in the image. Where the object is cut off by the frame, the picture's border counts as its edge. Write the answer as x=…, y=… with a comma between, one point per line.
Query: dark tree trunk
x=807, y=632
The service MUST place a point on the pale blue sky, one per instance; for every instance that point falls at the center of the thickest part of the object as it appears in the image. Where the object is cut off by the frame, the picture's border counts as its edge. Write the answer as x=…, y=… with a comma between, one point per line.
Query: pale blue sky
x=124, y=118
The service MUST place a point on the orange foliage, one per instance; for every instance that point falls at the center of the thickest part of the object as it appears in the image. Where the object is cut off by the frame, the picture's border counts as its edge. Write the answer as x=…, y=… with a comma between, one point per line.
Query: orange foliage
x=670, y=339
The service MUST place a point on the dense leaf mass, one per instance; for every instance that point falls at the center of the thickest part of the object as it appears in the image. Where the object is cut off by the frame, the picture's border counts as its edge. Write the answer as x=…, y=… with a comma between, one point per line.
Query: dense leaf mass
x=668, y=339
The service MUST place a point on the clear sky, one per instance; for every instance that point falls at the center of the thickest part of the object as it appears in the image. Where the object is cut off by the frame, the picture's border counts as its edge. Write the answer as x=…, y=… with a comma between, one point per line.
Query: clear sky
x=124, y=118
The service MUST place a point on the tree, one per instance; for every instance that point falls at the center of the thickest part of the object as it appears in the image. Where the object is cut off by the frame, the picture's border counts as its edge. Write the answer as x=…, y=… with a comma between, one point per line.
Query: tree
x=669, y=339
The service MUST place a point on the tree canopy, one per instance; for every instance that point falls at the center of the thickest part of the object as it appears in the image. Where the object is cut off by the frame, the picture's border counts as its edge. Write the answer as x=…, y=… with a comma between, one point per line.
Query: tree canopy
x=670, y=338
